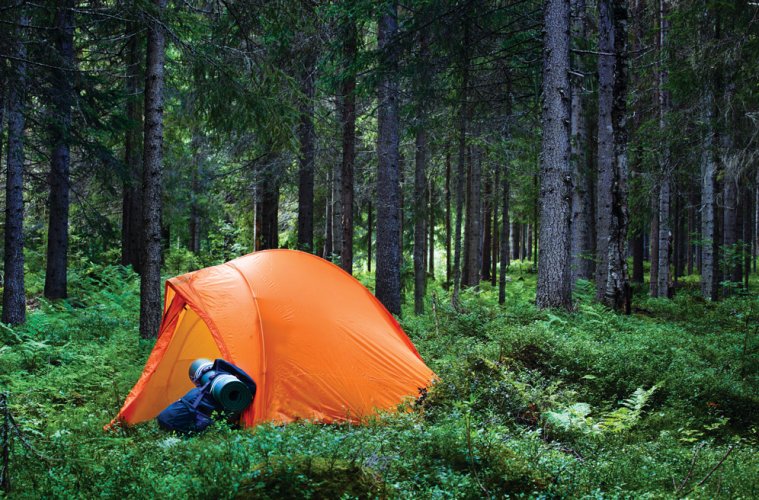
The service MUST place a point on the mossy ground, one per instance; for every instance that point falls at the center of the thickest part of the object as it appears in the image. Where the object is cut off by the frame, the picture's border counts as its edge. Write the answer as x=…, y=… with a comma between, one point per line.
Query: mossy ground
x=530, y=403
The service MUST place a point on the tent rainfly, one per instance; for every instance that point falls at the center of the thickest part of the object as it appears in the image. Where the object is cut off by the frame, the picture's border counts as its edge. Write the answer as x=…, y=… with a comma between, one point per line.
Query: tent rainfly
x=318, y=344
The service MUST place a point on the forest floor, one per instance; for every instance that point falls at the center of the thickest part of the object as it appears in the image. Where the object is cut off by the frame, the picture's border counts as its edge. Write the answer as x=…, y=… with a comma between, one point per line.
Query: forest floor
x=662, y=403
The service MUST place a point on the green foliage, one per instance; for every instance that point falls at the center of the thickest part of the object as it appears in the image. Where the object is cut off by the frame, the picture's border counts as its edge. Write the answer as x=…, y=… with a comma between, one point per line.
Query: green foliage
x=530, y=403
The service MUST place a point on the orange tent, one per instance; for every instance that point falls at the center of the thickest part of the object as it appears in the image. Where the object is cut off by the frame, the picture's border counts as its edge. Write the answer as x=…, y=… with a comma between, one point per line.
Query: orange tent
x=318, y=344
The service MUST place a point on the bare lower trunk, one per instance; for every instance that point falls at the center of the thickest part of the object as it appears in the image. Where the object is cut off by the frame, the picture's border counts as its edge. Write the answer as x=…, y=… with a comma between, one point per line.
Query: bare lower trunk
x=448, y=214
x=460, y=169
x=14, y=294
x=369, y=228
x=617, y=288
x=473, y=234
x=709, y=241
x=605, y=143
x=58, y=228
x=131, y=212
x=420, y=198
x=554, y=288
x=665, y=188
x=306, y=136
x=504, y=235
x=152, y=170
x=349, y=147
x=388, y=279
x=582, y=234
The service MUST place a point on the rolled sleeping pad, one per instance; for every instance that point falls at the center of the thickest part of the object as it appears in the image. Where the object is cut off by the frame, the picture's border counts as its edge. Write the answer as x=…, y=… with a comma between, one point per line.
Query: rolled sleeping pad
x=230, y=392
x=198, y=368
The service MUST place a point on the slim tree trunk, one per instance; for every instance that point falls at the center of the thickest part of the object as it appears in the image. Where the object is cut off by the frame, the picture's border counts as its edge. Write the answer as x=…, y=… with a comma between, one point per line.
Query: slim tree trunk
x=328, y=218
x=461, y=166
x=487, y=232
x=605, y=143
x=709, y=241
x=58, y=227
x=420, y=198
x=582, y=234
x=369, y=227
x=746, y=243
x=516, y=238
x=448, y=214
x=349, y=144
x=473, y=235
x=131, y=212
x=665, y=234
x=306, y=137
x=431, y=225
x=196, y=191
x=617, y=287
x=152, y=171
x=14, y=294
x=495, y=248
x=504, y=233
x=554, y=287
x=388, y=271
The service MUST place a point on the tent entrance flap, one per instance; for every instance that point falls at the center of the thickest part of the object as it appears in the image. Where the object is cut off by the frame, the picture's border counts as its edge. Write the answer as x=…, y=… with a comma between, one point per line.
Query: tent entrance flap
x=191, y=340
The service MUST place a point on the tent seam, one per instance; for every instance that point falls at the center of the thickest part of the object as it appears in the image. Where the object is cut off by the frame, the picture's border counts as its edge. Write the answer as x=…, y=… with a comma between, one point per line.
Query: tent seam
x=260, y=328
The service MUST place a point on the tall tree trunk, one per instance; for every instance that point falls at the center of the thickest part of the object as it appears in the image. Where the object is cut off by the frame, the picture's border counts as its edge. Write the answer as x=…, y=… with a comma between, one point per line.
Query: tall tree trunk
x=420, y=205
x=654, y=243
x=350, y=42
x=14, y=294
x=504, y=232
x=473, y=234
x=665, y=234
x=196, y=191
x=328, y=218
x=448, y=214
x=605, y=143
x=747, y=236
x=337, y=211
x=152, y=170
x=582, y=224
x=388, y=270
x=709, y=248
x=554, y=287
x=369, y=227
x=58, y=227
x=461, y=166
x=617, y=287
x=487, y=232
x=495, y=248
x=131, y=212
x=431, y=225
x=516, y=238
x=306, y=137
x=730, y=211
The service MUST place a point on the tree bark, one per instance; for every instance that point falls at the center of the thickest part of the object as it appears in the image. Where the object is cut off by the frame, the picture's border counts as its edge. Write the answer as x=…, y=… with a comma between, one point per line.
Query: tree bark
x=709, y=240
x=388, y=274
x=420, y=205
x=487, y=232
x=461, y=165
x=516, y=239
x=554, y=261
x=152, y=171
x=131, y=212
x=349, y=143
x=58, y=226
x=369, y=227
x=617, y=288
x=504, y=233
x=14, y=294
x=582, y=207
x=431, y=226
x=665, y=234
x=306, y=137
x=448, y=214
x=473, y=234
x=605, y=143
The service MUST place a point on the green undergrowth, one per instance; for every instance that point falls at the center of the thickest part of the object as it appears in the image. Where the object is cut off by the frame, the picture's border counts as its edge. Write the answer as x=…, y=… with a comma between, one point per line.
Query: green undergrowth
x=529, y=403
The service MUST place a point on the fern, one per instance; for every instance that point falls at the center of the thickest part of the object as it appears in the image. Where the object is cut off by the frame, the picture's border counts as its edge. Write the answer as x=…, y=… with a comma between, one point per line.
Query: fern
x=628, y=415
